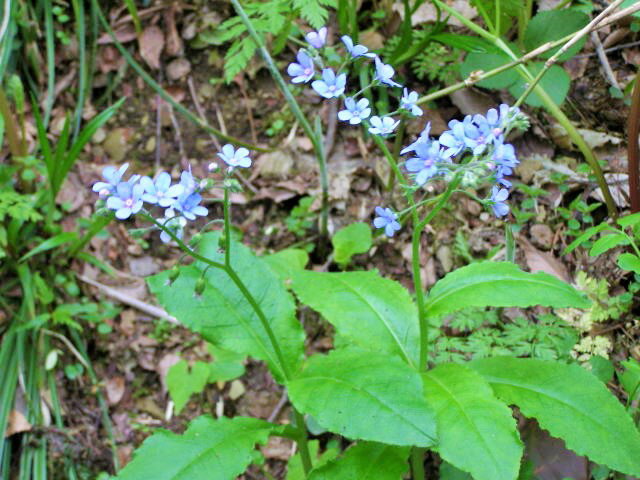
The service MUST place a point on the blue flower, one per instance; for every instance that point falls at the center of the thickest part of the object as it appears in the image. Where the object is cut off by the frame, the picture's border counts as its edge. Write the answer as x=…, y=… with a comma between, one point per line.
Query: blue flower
x=354, y=111
x=455, y=139
x=188, y=204
x=317, y=39
x=382, y=126
x=235, y=158
x=126, y=200
x=384, y=73
x=188, y=182
x=161, y=191
x=504, y=158
x=113, y=176
x=356, y=50
x=498, y=196
x=423, y=138
x=408, y=102
x=304, y=70
x=478, y=134
x=386, y=219
x=174, y=223
x=426, y=163
x=330, y=86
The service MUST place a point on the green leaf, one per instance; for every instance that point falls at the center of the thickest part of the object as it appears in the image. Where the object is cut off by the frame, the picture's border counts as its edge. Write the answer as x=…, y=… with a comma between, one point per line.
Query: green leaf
x=50, y=244
x=630, y=262
x=367, y=396
x=602, y=368
x=630, y=378
x=467, y=43
x=351, y=240
x=488, y=61
x=500, y=284
x=366, y=460
x=551, y=25
x=209, y=450
x=373, y=312
x=607, y=242
x=571, y=404
x=285, y=262
x=223, y=316
x=295, y=468
x=588, y=233
x=555, y=82
x=629, y=220
x=477, y=433
x=183, y=381
x=226, y=365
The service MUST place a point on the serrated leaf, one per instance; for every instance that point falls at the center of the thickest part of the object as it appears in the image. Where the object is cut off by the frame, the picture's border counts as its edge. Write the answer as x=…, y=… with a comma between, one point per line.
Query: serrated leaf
x=373, y=312
x=477, y=433
x=223, y=316
x=555, y=82
x=351, y=240
x=237, y=57
x=551, y=25
x=367, y=396
x=500, y=284
x=571, y=404
x=366, y=460
x=183, y=381
x=209, y=450
x=630, y=262
x=607, y=242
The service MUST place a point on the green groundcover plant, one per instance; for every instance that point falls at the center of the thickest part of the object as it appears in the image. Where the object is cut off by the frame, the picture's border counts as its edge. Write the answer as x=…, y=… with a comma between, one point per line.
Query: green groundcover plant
x=379, y=388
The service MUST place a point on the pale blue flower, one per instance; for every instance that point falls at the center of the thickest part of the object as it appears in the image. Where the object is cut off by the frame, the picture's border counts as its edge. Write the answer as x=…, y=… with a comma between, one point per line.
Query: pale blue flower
x=330, y=86
x=384, y=73
x=304, y=70
x=408, y=102
x=504, y=158
x=354, y=111
x=478, y=134
x=382, y=126
x=386, y=219
x=356, y=50
x=235, y=158
x=498, y=197
x=426, y=164
x=317, y=39
x=188, y=204
x=188, y=182
x=160, y=191
x=126, y=200
x=455, y=139
x=174, y=223
x=113, y=176
x=423, y=138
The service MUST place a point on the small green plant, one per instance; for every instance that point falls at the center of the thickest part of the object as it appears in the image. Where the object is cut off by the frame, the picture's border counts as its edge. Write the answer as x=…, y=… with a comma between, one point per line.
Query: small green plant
x=300, y=220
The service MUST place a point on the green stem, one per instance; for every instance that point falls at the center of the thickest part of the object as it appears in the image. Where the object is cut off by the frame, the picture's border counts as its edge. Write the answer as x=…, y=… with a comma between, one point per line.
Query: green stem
x=397, y=145
x=303, y=443
x=227, y=229
x=417, y=463
x=97, y=225
x=295, y=108
x=11, y=127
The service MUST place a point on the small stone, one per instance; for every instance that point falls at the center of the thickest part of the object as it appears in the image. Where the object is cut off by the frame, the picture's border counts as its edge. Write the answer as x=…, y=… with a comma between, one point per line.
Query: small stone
x=150, y=146
x=99, y=136
x=178, y=68
x=116, y=144
x=236, y=390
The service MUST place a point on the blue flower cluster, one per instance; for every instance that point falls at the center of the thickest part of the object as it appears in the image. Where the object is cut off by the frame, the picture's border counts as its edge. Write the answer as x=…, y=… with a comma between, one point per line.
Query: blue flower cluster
x=181, y=201
x=330, y=84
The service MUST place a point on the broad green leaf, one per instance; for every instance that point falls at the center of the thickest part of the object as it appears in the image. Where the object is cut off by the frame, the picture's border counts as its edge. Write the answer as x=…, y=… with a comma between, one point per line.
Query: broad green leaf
x=588, y=233
x=555, y=82
x=367, y=396
x=287, y=261
x=366, y=460
x=351, y=240
x=474, y=62
x=571, y=404
x=602, y=368
x=209, y=450
x=183, y=381
x=295, y=469
x=223, y=316
x=551, y=25
x=629, y=261
x=226, y=365
x=477, y=433
x=630, y=378
x=629, y=220
x=607, y=242
x=373, y=312
x=500, y=284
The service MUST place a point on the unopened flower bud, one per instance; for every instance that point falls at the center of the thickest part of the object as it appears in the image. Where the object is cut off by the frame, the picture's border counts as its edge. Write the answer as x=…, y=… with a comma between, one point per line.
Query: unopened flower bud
x=174, y=273
x=200, y=285
x=213, y=167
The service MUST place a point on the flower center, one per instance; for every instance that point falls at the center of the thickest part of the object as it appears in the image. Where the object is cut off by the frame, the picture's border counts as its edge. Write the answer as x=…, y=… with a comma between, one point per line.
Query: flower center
x=128, y=202
x=307, y=71
x=332, y=88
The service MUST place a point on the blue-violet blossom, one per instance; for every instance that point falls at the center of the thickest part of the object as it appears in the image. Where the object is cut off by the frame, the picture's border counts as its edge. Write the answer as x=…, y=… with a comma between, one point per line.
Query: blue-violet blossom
x=113, y=176
x=160, y=191
x=235, y=158
x=354, y=111
x=408, y=102
x=498, y=196
x=386, y=219
x=330, y=86
x=423, y=138
x=317, y=39
x=188, y=204
x=384, y=73
x=504, y=158
x=425, y=165
x=455, y=139
x=382, y=125
x=126, y=200
x=304, y=70
x=356, y=50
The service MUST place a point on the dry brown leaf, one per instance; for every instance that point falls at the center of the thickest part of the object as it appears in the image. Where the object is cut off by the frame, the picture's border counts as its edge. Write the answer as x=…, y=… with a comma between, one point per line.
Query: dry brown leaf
x=175, y=46
x=539, y=261
x=17, y=423
x=151, y=43
x=126, y=33
x=115, y=389
x=165, y=363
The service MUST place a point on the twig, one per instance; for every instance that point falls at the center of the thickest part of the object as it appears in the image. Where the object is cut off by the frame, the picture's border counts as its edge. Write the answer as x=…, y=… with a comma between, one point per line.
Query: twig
x=611, y=49
x=176, y=127
x=280, y=405
x=196, y=103
x=158, y=130
x=604, y=61
x=128, y=300
x=247, y=105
